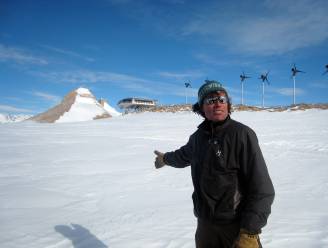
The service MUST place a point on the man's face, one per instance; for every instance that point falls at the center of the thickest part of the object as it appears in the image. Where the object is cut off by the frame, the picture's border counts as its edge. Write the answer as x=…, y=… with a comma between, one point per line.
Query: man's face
x=215, y=110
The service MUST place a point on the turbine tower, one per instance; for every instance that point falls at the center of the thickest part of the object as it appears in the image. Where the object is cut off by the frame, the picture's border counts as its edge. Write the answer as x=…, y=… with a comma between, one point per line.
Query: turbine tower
x=264, y=78
x=187, y=85
x=294, y=72
x=243, y=77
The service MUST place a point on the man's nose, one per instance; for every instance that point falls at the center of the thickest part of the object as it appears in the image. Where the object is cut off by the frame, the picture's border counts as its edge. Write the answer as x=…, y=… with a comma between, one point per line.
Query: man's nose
x=217, y=103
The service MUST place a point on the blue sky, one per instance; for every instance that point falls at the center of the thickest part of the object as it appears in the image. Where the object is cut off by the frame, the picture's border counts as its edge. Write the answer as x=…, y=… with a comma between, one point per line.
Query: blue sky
x=125, y=48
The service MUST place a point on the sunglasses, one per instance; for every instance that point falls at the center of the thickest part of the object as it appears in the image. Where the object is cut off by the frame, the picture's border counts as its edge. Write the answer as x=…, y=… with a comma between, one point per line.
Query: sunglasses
x=215, y=99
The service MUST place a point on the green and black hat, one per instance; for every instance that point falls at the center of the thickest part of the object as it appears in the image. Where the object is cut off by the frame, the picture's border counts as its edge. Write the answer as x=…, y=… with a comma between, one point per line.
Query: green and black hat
x=208, y=87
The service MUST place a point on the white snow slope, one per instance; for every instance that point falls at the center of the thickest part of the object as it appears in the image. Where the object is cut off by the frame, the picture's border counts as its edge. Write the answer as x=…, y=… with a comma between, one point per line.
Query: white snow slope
x=93, y=184
x=112, y=111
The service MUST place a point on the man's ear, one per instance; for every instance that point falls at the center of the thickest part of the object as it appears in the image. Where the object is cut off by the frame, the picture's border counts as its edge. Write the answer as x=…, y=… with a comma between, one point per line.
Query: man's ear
x=198, y=109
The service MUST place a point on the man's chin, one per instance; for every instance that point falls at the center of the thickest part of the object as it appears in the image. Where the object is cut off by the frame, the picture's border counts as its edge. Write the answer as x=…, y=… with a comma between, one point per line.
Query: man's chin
x=219, y=117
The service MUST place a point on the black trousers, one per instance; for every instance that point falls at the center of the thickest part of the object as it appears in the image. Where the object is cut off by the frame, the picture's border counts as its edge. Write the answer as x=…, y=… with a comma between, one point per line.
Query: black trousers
x=209, y=235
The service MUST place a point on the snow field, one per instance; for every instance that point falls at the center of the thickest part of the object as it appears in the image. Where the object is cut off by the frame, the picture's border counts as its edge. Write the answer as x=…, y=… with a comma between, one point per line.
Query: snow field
x=93, y=184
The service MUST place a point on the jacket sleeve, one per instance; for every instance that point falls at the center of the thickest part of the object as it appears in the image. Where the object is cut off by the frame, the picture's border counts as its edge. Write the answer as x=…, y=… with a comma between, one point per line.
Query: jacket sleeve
x=181, y=157
x=259, y=191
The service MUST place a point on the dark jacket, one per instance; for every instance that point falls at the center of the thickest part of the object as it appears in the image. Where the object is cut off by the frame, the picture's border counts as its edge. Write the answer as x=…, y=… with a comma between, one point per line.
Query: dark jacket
x=229, y=174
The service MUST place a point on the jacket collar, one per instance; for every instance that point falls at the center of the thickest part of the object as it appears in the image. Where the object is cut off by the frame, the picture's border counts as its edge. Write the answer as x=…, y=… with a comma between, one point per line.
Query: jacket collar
x=211, y=127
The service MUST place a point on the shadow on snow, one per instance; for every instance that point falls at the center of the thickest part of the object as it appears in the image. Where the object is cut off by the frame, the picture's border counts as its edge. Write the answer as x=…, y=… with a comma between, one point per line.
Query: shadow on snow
x=80, y=236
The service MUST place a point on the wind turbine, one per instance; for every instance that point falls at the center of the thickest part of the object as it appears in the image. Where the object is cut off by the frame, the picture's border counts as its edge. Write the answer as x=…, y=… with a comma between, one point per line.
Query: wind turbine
x=264, y=78
x=326, y=70
x=243, y=77
x=294, y=72
x=187, y=85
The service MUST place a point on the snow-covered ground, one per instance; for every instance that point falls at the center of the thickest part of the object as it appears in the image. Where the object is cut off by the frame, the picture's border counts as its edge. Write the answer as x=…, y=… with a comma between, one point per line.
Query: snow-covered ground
x=93, y=184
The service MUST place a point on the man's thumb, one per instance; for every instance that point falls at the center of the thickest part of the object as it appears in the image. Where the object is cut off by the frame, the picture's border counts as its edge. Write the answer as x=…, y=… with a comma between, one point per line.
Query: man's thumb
x=158, y=153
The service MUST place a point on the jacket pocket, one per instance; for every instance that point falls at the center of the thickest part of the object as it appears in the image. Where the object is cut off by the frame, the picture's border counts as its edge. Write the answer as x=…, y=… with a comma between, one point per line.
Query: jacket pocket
x=220, y=189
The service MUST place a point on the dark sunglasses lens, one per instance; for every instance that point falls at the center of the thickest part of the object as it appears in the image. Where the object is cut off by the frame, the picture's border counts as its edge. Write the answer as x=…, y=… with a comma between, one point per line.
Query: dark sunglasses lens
x=222, y=99
x=210, y=101
x=213, y=100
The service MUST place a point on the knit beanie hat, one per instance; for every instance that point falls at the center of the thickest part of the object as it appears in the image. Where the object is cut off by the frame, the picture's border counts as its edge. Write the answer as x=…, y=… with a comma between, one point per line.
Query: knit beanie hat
x=208, y=87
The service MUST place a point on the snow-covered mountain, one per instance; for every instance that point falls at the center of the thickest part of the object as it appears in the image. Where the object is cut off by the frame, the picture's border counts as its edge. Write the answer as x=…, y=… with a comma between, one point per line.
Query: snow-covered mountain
x=78, y=105
x=5, y=118
x=109, y=108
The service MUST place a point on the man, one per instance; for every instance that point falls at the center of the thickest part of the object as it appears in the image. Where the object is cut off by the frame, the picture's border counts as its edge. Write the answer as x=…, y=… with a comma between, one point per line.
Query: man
x=233, y=191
